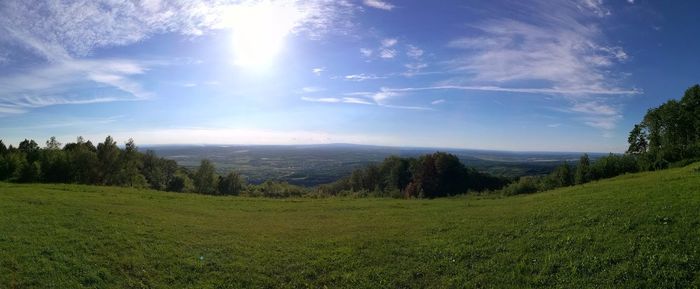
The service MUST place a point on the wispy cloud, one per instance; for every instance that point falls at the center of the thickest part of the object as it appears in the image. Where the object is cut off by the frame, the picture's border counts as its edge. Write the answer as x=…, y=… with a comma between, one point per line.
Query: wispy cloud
x=437, y=101
x=378, y=4
x=68, y=31
x=554, y=90
x=67, y=122
x=559, y=46
x=322, y=99
x=318, y=70
x=362, y=77
x=414, y=68
x=366, y=52
x=389, y=42
x=76, y=28
x=49, y=86
x=414, y=52
x=380, y=98
x=386, y=49
x=311, y=89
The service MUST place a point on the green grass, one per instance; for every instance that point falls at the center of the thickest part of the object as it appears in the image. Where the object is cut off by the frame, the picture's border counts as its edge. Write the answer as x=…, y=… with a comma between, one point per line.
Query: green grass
x=633, y=231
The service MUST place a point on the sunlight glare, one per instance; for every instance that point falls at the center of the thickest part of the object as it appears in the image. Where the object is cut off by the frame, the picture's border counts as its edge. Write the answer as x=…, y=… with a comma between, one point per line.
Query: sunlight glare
x=260, y=29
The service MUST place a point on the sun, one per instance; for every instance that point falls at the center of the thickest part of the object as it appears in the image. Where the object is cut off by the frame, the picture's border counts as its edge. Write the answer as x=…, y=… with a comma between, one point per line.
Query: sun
x=260, y=29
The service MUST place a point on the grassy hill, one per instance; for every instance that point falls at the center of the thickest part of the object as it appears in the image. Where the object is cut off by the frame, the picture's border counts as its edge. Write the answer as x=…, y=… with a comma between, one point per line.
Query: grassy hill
x=633, y=231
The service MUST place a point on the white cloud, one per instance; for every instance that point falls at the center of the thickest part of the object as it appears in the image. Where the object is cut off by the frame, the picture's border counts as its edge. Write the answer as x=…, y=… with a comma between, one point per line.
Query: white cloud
x=414, y=52
x=318, y=70
x=559, y=46
x=362, y=77
x=386, y=49
x=595, y=108
x=414, y=68
x=366, y=52
x=49, y=85
x=554, y=125
x=76, y=28
x=383, y=95
x=356, y=100
x=351, y=100
x=380, y=98
x=389, y=42
x=311, y=89
x=387, y=53
x=596, y=6
x=321, y=99
x=437, y=101
x=557, y=91
x=379, y=4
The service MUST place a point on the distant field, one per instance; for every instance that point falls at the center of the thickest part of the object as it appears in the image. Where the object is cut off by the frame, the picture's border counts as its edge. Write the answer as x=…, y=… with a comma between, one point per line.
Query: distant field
x=310, y=165
x=633, y=231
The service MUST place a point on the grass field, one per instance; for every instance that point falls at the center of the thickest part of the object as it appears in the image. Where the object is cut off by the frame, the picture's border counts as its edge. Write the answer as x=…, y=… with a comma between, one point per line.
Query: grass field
x=633, y=231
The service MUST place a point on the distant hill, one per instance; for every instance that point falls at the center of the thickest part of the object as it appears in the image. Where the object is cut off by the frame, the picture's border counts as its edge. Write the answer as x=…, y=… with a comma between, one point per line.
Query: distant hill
x=633, y=231
x=311, y=165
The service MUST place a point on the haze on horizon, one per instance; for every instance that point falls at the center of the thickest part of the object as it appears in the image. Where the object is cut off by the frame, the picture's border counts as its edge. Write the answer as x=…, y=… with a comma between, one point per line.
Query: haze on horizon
x=503, y=75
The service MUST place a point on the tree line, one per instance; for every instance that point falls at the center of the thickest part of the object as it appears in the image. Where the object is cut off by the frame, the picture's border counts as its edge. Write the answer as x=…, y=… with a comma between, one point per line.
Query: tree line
x=667, y=136
x=669, y=133
x=82, y=162
x=581, y=172
x=429, y=176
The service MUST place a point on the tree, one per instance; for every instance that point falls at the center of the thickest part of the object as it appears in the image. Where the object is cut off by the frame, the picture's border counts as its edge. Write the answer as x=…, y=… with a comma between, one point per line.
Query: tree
x=30, y=172
x=5, y=172
x=130, y=174
x=108, y=155
x=157, y=171
x=55, y=166
x=83, y=162
x=232, y=184
x=180, y=182
x=205, y=178
x=396, y=174
x=583, y=170
x=30, y=149
x=53, y=144
x=562, y=176
x=3, y=149
x=637, y=140
x=440, y=174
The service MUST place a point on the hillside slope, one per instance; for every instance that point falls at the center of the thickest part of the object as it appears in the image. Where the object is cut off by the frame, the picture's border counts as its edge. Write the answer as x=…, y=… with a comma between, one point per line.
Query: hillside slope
x=633, y=231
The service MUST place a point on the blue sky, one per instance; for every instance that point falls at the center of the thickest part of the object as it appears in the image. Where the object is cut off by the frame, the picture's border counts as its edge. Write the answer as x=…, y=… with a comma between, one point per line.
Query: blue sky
x=513, y=75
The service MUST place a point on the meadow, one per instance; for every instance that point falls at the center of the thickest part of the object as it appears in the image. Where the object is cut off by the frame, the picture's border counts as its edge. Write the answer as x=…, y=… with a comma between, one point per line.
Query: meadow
x=633, y=231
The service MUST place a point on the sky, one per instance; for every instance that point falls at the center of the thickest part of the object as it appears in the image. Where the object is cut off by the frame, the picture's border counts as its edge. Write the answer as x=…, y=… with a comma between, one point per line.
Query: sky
x=541, y=75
